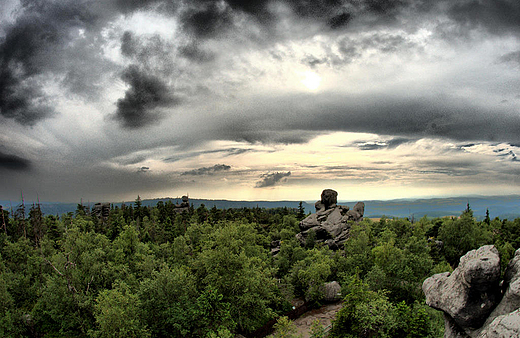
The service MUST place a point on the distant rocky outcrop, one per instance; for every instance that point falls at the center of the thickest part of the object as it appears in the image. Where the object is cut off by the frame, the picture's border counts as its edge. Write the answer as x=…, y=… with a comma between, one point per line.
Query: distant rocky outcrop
x=476, y=304
x=183, y=206
x=100, y=210
x=330, y=223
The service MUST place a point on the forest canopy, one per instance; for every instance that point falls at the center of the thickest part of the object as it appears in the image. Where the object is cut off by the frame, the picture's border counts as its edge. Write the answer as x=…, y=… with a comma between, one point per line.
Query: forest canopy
x=150, y=271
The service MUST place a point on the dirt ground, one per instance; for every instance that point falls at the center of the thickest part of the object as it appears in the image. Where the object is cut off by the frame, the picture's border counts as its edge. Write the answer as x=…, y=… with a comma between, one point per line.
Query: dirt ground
x=325, y=314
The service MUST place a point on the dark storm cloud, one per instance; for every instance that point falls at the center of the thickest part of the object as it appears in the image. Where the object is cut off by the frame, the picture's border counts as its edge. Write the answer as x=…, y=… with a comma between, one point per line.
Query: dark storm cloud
x=385, y=6
x=272, y=179
x=130, y=6
x=21, y=99
x=496, y=16
x=207, y=170
x=256, y=8
x=22, y=52
x=207, y=20
x=146, y=93
x=260, y=131
x=339, y=20
x=43, y=41
x=13, y=162
x=280, y=119
x=449, y=167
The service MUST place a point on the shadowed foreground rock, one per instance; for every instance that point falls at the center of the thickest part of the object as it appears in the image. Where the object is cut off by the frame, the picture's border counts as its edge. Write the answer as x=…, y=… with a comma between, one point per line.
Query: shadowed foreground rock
x=474, y=302
x=330, y=222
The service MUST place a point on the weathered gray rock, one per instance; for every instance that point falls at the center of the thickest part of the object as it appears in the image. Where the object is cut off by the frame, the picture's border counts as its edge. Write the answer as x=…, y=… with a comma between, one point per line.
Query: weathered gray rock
x=511, y=295
x=329, y=198
x=504, y=326
x=452, y=330
x=100, y=210
x=471, y=292
x=183, y=206
x=475, y=304
x=356, y=214
x=330, y=223
x=309, y=222
x=332, y=292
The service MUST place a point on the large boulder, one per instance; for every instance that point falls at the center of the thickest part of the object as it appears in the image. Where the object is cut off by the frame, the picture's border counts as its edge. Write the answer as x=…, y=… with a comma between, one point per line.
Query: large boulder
x=332, y=292
x=474, y=301
x=471, y=292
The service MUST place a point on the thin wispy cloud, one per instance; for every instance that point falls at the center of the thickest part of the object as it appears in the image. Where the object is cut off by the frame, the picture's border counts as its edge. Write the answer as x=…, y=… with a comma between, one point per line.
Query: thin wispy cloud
x=207, y=170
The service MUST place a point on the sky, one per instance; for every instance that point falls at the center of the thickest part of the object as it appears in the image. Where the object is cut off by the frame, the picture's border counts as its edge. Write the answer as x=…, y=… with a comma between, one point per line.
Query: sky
x=258, y=100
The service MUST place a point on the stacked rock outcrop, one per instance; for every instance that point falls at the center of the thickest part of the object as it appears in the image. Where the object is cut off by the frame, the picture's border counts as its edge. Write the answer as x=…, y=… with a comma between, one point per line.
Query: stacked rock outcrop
x=476, y=304
x=183, y=206
x=330, y=223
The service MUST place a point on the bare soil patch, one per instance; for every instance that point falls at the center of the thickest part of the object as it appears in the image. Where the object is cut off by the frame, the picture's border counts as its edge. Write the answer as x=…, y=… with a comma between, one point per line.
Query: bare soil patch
x=324, y=314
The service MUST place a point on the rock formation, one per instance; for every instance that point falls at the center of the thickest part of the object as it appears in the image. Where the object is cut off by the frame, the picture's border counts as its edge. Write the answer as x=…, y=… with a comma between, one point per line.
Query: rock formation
x=183, y=206
x=330, y=222
x=100, y=210
x=474, y=301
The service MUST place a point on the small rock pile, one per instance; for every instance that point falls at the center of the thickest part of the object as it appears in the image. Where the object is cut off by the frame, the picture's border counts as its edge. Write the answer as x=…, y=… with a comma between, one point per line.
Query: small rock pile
x=476, y=304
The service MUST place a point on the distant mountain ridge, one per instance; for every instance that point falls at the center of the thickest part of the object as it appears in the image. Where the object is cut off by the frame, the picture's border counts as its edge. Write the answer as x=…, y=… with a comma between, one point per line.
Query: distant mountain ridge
x=499, y=206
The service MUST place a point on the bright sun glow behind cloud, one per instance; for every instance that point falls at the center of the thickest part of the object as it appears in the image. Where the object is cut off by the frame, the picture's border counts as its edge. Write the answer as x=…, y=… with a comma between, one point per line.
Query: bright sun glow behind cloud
x=311, y=80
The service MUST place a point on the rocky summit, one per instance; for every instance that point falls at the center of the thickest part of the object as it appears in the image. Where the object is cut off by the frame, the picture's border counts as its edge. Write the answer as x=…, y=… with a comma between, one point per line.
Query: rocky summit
x=330, y=223
x=476, y=304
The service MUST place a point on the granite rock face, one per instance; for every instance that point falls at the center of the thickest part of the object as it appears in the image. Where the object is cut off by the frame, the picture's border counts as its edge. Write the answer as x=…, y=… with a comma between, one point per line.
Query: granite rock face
x=330, y=223
x=475, y=302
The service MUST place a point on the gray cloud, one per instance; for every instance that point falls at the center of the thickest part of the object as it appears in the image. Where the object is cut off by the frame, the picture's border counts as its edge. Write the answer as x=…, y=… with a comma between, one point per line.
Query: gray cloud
x=351, y=49
x=207, y=170
x=224, y=152
x=272, y=179
x=280, y=120
x=376, y=145
x=14, y=162
x=130, y=6
x=513, y=57
x=207, y=20
x=195, y=53
x=496, y=16
x=146, y=93
x=504, y=153
x=50, y=49
x=20, y=98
